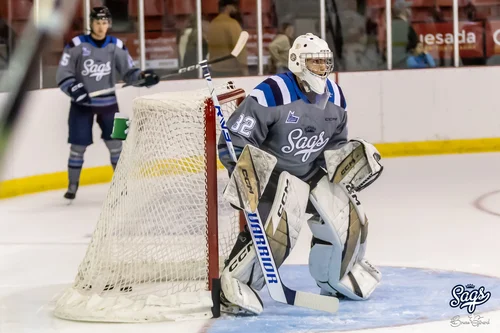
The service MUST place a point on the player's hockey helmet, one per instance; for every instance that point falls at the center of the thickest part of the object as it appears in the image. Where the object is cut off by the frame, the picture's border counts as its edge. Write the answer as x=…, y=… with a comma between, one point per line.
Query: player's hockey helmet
x=310, y=46
x=100, y=13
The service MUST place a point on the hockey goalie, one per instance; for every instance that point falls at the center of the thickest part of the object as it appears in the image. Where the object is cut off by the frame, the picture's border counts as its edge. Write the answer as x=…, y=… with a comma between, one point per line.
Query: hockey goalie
x=299, y=118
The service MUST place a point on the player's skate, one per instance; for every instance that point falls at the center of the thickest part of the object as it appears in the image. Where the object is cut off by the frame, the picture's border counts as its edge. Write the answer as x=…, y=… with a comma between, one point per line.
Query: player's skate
x=71, y=193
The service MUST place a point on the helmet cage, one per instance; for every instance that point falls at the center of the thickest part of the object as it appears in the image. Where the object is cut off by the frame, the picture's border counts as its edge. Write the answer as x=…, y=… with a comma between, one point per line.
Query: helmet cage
x=322, y=55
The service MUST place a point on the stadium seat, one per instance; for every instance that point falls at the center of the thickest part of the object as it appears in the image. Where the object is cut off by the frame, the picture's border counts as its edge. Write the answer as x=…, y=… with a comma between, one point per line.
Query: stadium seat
x=152, y=8
x=250, y=6
x=210, y=7
x=21, y=9
x=93, y=3
x=181, y=7
x=250, y=21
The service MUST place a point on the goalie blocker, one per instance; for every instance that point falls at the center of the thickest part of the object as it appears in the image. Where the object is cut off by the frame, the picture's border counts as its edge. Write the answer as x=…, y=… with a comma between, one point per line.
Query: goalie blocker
x=338, y=224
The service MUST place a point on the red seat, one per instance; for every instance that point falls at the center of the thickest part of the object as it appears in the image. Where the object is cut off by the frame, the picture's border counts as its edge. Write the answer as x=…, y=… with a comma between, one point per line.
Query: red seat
x=445, y=3
x=151, y=8
x=210, y=7
x=246, y=6
x=21, y=9
x=481, y=2
x=181, y=7
x=420, y=14
x=250, y=6
x=375, y=3
x=93, y=3
x=250, y=21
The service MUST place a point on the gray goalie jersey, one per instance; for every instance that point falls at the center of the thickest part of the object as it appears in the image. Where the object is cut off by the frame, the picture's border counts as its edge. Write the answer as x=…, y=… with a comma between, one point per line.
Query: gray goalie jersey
x=278, y=118
x=96, y=67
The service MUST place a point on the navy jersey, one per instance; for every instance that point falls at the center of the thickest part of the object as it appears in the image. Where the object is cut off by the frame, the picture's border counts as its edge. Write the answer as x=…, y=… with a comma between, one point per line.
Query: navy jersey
x=96, y=67
x=278, y=118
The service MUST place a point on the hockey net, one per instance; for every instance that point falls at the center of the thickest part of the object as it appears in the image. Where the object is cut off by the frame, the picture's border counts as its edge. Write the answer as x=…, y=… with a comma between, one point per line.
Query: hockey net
x=164, y=230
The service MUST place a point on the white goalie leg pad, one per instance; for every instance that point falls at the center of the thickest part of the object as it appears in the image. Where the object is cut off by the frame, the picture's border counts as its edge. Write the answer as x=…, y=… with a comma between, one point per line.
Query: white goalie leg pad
x=356, y=163
x=336, y=259
x=283, y=224
x=252, y=161
x=287, y=216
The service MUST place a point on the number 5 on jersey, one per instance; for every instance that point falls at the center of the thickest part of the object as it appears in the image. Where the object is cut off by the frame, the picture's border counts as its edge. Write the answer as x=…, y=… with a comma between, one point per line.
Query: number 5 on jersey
x=65, y=59
x=243, y=125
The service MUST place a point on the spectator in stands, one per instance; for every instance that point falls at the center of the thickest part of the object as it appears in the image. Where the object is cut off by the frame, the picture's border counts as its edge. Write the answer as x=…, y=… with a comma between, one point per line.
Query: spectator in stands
x=187, y=43
x=223, y=33
x=470, y=12
x=437, y=14
x=358, y=53
x=404, y=36
x=419, y=57
x=279, y=47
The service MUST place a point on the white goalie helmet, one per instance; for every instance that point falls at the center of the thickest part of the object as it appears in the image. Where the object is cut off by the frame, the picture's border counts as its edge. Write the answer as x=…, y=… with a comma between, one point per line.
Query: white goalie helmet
x=315, y=72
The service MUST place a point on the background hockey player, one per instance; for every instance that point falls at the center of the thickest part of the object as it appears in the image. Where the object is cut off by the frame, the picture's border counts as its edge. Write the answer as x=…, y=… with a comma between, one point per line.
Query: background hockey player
x=300, y=118
x=91, y=63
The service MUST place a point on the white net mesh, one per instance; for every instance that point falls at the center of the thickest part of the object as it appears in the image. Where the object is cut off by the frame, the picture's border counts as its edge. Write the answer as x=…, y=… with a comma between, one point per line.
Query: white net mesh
x=147, y=260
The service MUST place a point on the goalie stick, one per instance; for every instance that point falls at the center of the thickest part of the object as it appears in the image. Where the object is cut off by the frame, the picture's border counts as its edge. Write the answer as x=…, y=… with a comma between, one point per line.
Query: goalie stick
x=242, y=40
x=277, y=290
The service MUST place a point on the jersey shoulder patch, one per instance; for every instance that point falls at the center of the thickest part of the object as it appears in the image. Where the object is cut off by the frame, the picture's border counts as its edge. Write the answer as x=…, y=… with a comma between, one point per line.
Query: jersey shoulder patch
x=336, y=94
x=76, y=41
x=274, y=91
x=118, y=42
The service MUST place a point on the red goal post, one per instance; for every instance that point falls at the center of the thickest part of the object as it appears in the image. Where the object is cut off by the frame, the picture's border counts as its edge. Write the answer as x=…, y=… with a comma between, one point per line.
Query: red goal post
x=211, y=137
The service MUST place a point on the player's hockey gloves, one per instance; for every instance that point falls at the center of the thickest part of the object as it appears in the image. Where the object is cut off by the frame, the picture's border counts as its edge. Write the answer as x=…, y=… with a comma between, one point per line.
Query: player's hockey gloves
x=78, y=93
x=150, y=78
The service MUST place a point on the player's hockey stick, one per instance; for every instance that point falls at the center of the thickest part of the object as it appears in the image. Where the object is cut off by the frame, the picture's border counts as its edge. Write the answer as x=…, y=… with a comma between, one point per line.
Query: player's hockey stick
x=278, y=291
x=53, y=19
x=240, y=44
x=238, y=47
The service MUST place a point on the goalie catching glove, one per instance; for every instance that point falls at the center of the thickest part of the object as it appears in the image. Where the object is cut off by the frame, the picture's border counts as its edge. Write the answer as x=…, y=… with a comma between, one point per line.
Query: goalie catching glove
x=356, y=163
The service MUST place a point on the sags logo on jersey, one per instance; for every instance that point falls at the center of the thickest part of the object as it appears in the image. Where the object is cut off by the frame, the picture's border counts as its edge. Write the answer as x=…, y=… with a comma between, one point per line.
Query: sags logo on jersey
x=96, y=70
x=302, y=145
